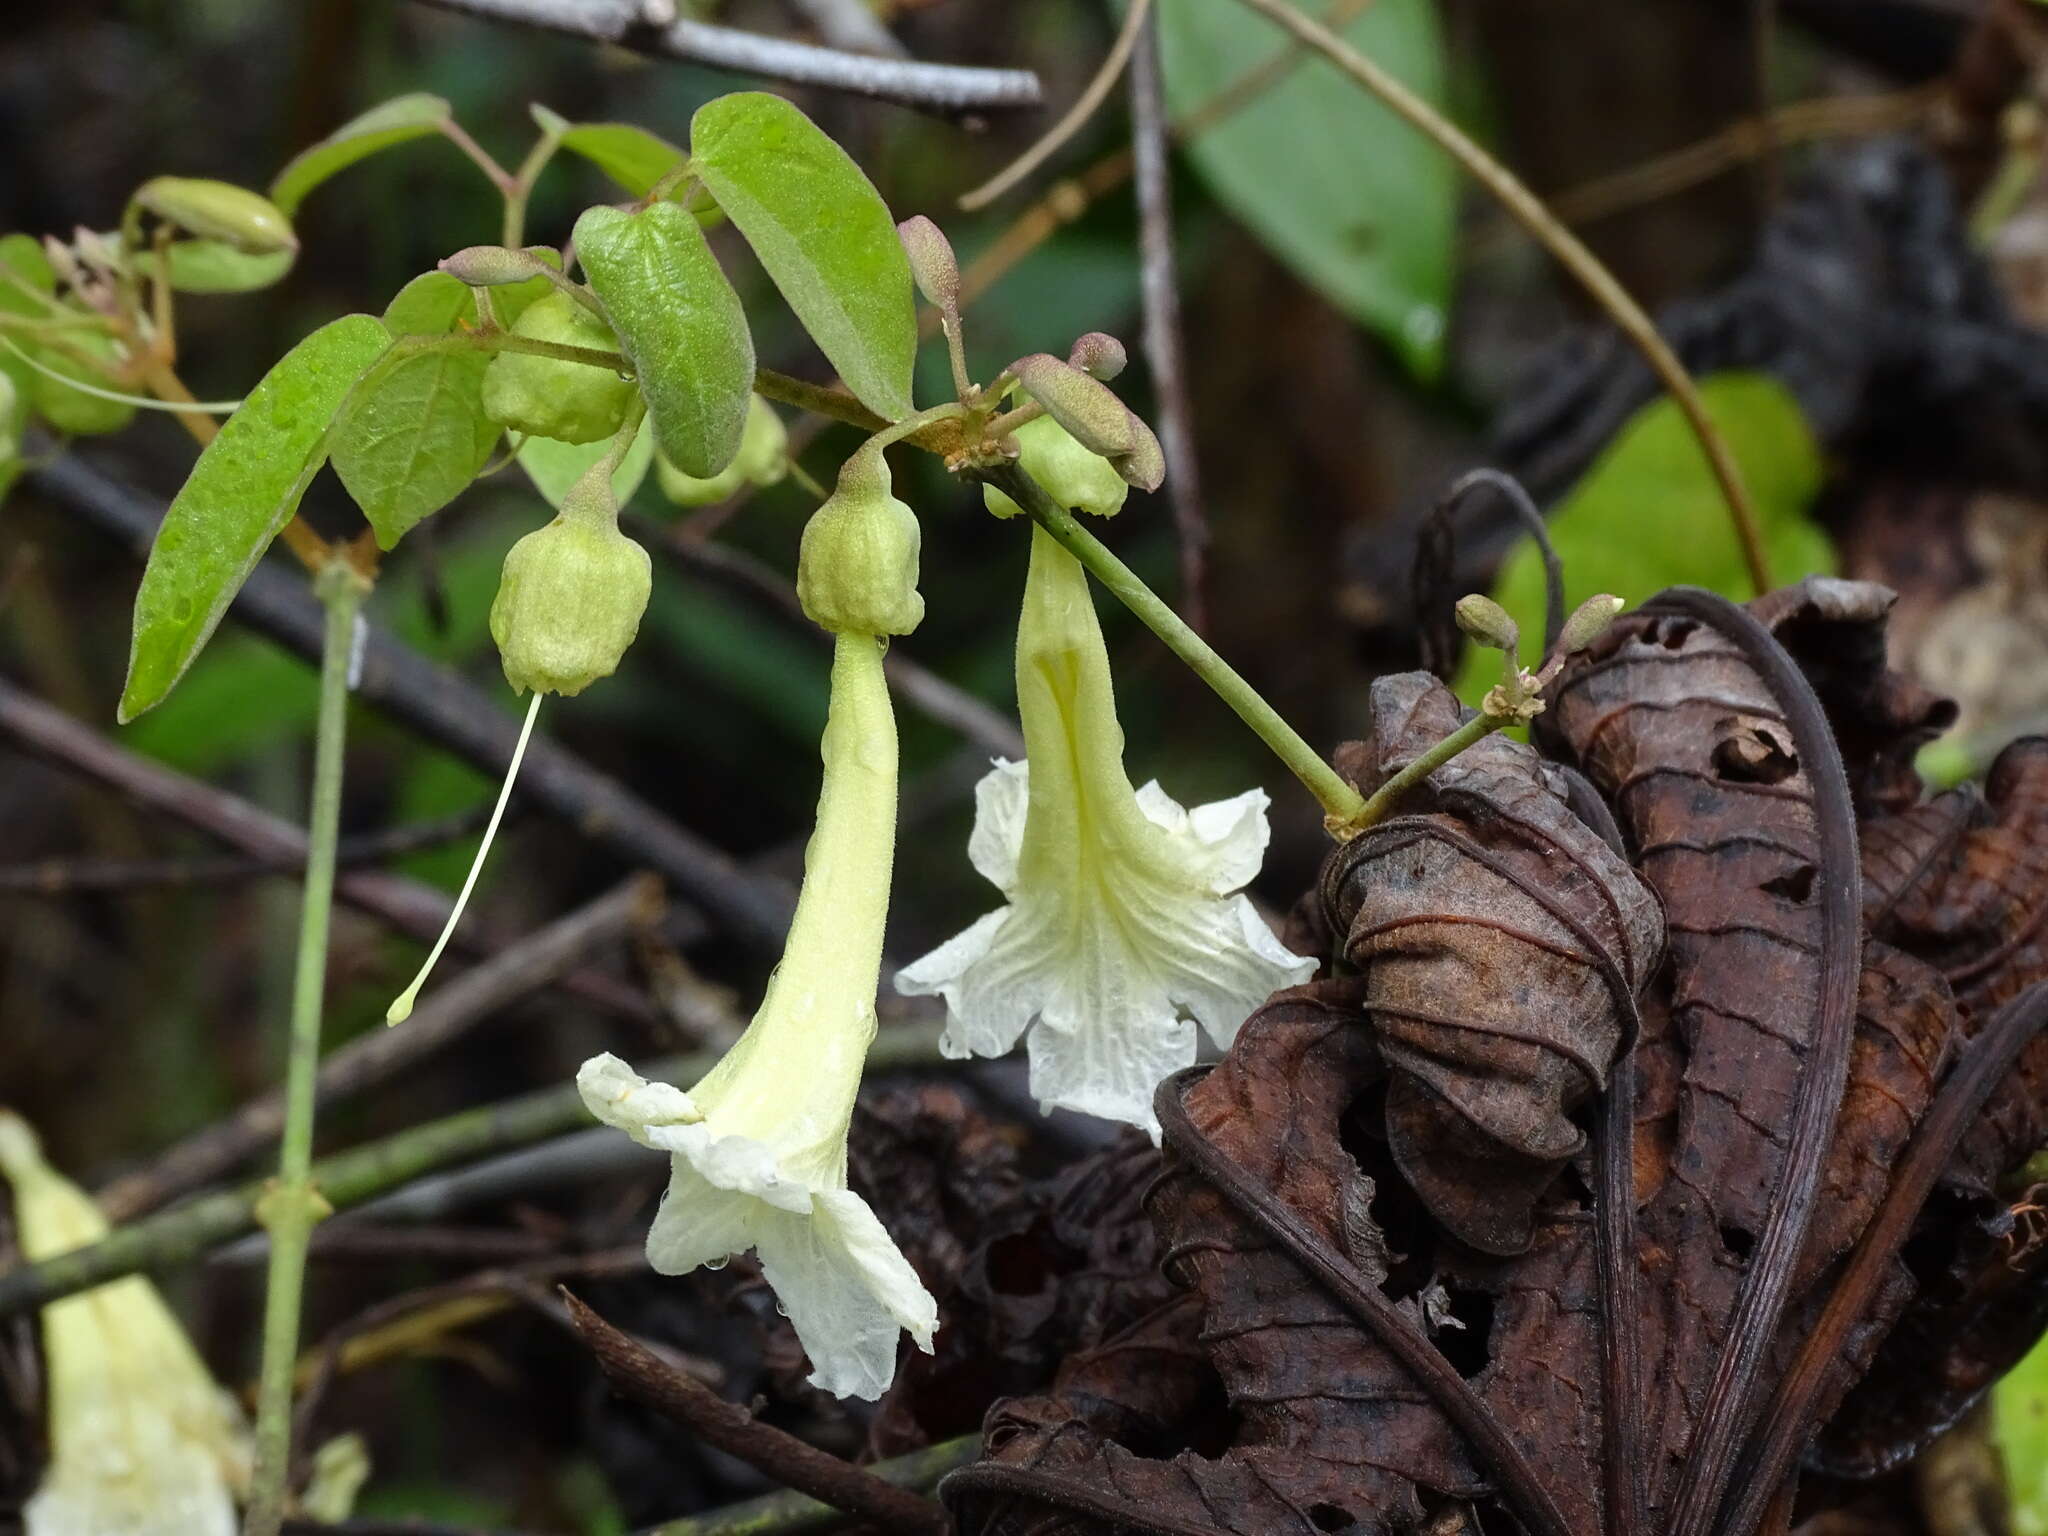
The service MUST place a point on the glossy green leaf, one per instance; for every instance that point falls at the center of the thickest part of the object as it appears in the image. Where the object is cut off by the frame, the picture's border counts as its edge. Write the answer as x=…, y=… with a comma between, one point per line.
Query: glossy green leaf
x=681, y=324
x=243, y=490
x=1359, y=204
x=823, y=233
x=213, y=266
x=396, y=121
x=553, y=466
x=412, y=433
x=1649, y=514
x=632, y=157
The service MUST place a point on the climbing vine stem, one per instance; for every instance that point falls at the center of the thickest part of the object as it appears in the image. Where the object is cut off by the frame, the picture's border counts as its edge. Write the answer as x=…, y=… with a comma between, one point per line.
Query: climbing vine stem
x=291, y=1207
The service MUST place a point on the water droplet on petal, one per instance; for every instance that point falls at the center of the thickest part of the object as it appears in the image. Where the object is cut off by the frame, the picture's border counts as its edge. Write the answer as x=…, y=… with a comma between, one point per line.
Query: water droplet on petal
x=718, y=1263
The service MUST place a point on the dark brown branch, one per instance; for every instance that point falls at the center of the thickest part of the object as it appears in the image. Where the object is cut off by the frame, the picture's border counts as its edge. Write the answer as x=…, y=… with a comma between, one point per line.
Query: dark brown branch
x=448, y=710
x=951, y=89
x=637, y=1372
x=1165, y=356
x=449, y=1012
x=411, y=906
x=62, y=877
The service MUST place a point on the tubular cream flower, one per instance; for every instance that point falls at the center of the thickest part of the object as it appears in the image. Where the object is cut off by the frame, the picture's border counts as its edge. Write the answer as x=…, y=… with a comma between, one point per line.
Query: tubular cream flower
x=1122, y=931
x=143, y=1442
x=760, y=1143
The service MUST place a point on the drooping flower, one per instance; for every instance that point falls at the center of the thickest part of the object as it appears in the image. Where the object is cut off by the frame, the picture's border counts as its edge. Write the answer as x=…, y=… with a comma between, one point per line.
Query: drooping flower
x=759, y=1145
x=1122, y=930
x=143, y=1441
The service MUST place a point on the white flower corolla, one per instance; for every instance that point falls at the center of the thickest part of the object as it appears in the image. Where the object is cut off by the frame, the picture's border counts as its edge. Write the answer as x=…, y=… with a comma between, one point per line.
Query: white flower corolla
x=759, y=1144
x=1122, y=931
x=143, y=1442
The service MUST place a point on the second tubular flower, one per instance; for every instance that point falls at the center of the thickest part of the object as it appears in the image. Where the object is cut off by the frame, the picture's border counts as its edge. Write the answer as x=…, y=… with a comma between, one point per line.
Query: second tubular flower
x=1122, y=929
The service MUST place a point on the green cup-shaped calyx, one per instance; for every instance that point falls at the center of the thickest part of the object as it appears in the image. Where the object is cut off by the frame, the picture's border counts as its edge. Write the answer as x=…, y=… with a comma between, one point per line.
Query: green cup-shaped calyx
x=547, y=396
x=857, y=568
x=571, y=596
x=763, y=460
x=218, y=210
x=1078, y=480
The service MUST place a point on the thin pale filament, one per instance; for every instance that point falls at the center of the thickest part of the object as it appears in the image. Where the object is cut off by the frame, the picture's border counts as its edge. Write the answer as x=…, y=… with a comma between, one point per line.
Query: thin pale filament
x=401, y=1006
x=142, y=402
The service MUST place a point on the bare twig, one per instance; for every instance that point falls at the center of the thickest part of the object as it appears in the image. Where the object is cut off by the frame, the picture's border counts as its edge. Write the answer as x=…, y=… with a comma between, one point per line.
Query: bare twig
x=410, y=906
x=637, y=1372
x=795, y=1514
x=1073, y=120
x=944, y=88
x=448, y=710
x=1570, y=252
x=1164, y=355
x=62, y=877
x=349, y=1178
x=1066, y=200
x=446, y=1016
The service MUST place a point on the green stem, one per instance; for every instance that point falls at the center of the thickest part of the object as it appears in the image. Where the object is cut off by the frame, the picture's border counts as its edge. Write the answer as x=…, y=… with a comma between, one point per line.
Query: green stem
x=522, y=186
x=1383, y=799
x=818, y=399
x=1340, y=802
x=292, y=1206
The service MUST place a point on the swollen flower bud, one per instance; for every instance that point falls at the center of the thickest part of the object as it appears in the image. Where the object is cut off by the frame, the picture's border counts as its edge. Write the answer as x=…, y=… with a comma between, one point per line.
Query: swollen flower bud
x=492, y=266
x=572, y=593
x=932, y=262
x=548, y=396
x=856, y=570
x=76, y=411
x=1099, y=355
x=1487, y=622
x=763, y=460
x=1078, y=480
x=216, y=210
x=1587, y=622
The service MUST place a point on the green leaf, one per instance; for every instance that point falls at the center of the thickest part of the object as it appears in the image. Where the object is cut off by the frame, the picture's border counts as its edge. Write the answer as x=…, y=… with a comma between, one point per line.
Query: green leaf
x=681, y=324
x=553, y=466
x=214, y=266
x=1359, y=204
x=632, y=157
x=22, y=263
x=823, y=233
x=2019, y=1426
x=394, y=122
x=412, y=433
x=1649, y=514
x=245, y=487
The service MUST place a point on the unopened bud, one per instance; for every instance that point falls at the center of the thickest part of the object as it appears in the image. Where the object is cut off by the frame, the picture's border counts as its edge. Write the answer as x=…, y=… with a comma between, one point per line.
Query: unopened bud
x=572, y=594
x=549, y=396
x=856, y=570
x=216, y=210
x=932, y=262
x=1078, y=480
x=1086, y=408
x=1099, y=355
x=1485, y=621
x=1588, y=621
x=492, y=266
